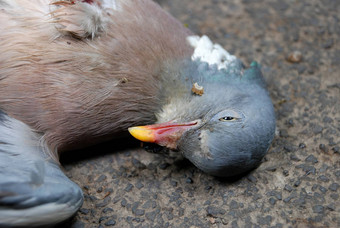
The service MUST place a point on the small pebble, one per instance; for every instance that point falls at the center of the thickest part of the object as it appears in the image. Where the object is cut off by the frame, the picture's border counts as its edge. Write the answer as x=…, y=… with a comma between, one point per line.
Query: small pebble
x=334, y=196
x=100, y=189
x=189, y=180
x=309, y=169
x=101, y=178
x=297, y=183
x=84, y=211
x=285, y=173
x=251, y=178
x=136, y=163
x=288, y=148
x=336, y=149
x=290, y=123
x=288, y=188
x=86, y=187
x=207, y=202
x=215, y=211
x=264, y=220
x=173, y=183
x=331, y=142
x=324, y=168
x=110, y=223
x=294, y=157
x=302, y=145
x=289, y=198
x=322, y=189
x=139, y=185
x=272, y=201
x=139, y=212
x=233, y=205
x=103, y=218
x=327, y=119
x=311, y=158
x=123, y=203
x=323, y=178
x=318, y=209
x=104, y=202
x=334, y=187
x=337, y=173
x=107, y=209
x=128, y=187
x=331, y=207
x=271, y=169
x=323, y=147
x=294, y=57
x=317, y=129
x=91, y=197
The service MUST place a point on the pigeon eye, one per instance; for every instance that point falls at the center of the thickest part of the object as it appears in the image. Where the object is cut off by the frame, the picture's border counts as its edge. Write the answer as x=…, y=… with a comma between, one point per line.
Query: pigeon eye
x=228, y=115
x=227, y=118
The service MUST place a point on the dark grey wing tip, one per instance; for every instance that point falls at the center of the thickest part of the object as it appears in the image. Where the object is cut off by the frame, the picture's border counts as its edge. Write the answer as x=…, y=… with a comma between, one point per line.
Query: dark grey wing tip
x=33, y=189
x=24, y=205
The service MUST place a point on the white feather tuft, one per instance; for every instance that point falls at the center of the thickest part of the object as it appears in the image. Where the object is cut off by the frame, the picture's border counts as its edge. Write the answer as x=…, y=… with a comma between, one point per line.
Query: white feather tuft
x=207, y=51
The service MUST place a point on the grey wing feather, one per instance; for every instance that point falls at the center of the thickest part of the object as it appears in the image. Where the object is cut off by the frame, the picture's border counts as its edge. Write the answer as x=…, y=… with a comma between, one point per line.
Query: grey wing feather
x=33, y=189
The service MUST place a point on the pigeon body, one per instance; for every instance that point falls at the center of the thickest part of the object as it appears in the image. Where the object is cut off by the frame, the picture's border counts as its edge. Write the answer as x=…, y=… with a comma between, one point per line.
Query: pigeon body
x=97, y=82
x=74, y=73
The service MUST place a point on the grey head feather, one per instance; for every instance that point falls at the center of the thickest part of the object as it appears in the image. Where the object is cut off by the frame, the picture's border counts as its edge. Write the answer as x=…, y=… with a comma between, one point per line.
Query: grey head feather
x=186, y=71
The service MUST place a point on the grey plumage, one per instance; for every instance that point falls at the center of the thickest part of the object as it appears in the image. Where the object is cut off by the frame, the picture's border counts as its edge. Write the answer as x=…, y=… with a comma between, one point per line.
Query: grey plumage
x=31, y=183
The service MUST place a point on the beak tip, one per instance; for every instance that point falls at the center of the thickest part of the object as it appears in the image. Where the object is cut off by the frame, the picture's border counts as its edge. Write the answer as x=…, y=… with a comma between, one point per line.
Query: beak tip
x=130, y=129
x=141, y=133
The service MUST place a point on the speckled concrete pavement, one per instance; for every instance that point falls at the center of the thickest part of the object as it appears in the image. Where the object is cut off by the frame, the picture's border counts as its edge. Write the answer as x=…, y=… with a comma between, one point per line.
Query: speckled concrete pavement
x=297, y=185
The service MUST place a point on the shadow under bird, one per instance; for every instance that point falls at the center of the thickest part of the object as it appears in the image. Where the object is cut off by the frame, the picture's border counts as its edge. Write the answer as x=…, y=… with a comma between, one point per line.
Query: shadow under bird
x=75, y=73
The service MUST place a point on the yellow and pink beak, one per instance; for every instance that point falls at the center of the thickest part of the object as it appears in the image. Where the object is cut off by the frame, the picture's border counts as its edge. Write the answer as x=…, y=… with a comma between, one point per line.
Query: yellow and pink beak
x=164, y=134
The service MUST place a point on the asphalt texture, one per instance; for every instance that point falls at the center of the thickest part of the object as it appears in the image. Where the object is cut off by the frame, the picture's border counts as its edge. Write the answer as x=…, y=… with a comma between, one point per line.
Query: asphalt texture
x=298, y=183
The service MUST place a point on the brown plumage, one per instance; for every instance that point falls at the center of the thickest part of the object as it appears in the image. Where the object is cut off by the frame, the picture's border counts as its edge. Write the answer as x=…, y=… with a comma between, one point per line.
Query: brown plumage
x=78, y=84
x=73, y=73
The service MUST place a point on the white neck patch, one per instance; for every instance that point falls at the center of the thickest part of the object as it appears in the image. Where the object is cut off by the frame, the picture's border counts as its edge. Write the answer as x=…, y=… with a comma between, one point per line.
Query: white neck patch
x=207, y=51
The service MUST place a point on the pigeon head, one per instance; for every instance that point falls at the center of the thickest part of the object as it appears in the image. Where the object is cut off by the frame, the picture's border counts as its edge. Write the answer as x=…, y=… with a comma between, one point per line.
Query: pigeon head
x=234, y=132
x=220, y=117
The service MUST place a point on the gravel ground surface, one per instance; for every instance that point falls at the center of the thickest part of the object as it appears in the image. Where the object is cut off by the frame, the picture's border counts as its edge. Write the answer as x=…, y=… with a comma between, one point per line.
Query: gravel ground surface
x=298, y=183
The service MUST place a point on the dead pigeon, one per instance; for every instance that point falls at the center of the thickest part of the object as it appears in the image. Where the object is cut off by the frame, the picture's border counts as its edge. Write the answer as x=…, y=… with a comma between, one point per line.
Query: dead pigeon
x=75, y=73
